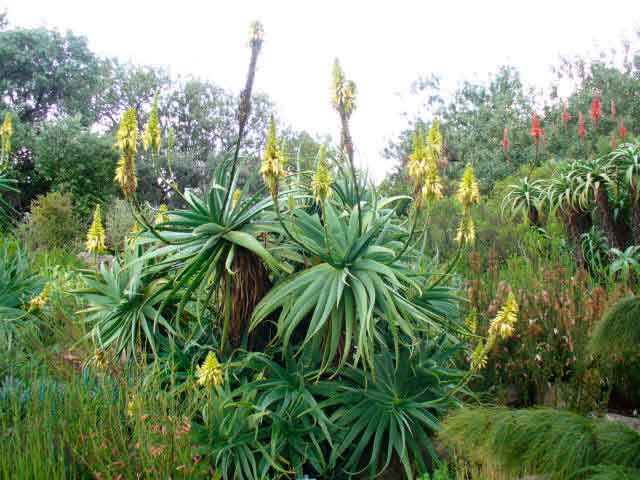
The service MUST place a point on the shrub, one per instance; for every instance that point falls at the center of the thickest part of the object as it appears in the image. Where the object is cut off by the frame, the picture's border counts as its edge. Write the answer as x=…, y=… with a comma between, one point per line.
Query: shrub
x=119, y=222
x=51, y=224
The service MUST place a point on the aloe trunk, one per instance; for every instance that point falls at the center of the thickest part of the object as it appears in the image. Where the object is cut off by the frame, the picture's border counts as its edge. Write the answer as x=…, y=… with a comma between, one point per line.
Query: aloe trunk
x=606, y=216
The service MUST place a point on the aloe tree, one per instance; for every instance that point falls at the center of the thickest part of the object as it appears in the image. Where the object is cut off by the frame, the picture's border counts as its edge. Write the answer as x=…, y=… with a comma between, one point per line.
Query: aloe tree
x=593, y=177
x=524, y=198
x=627, y=157
x=561, y=196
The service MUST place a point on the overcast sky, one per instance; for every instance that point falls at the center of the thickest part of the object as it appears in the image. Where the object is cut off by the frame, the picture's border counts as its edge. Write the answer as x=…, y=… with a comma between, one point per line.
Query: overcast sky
x=383, y=46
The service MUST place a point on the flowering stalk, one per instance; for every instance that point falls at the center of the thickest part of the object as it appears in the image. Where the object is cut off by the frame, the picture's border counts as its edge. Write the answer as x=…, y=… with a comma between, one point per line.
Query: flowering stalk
x=256, y=38
x=6, y=131
x=506, y=144
x=95, y=242
x=623, y=130
x=209, y=373
x=344, y=102
x=536, y=133
x=596, y=110
x=152, y=138
x=272, y=167
x=127, y=143
x=582, y=131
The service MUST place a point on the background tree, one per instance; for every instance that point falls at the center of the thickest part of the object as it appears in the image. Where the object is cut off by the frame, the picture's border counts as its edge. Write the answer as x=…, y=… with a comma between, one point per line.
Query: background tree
x=45, y=73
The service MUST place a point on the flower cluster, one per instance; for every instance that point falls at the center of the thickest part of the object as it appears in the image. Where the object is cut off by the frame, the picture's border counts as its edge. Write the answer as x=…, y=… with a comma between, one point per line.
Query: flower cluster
x=596, y=110
x=256, y=35
x=582, y=131
x=468, y=195
x=96, y=234
x=127, y=143
x=623, y=130
x=344, y=92
x=501, y=327
x=272, y=168
x=161, y=216
x=505, y=140
x=235, y=198
x=503, y=323
x=40, y=300
x=152, y=137
x=6, y=131
x=322, y=180
x=536, y=130
x=423, y=164
x=210, y=372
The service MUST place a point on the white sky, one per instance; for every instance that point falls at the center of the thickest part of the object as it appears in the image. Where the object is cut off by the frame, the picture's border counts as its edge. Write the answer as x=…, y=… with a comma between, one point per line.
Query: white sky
x=383, y=46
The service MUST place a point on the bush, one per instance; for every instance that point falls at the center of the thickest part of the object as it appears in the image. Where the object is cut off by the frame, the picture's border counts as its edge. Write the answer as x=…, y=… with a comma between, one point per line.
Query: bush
x=51, y=224
x=119, y=222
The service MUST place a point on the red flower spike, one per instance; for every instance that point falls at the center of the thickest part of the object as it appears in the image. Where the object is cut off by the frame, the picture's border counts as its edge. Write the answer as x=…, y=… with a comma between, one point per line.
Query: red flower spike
x=536, y=131
x=623, y=131
x=596, y=110
x=505, y=140
x=582, y=131
x=614, y=110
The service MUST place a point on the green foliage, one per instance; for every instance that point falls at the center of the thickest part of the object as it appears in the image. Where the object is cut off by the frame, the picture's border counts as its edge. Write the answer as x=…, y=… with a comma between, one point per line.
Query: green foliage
x=51, y=224
x=43, y=72
x=17, y=285
x=618, y=333
x=357, y=290
x=71, y=159
x=556, y=443
x=122, y=304
x=7, y=184
x=119, y=222
x=394, y=412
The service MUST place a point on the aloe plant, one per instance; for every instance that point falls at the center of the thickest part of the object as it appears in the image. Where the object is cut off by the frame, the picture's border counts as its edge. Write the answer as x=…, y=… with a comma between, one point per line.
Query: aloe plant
x=355, y=291
x=122, y=304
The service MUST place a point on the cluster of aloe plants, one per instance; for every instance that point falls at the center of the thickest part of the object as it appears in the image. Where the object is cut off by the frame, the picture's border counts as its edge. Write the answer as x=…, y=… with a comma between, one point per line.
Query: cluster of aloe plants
x=303, y=308
x=590, y=192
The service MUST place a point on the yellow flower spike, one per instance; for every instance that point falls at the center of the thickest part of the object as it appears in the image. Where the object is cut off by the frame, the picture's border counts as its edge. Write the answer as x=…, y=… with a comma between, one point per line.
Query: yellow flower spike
x=96, y=234
x=471, y=322
x=152, y=137
x=434, y=139
x=417, y=164
x=127, y=143
x=272, y=163
x=6, y=131
x=504, y=322
x=40, y=300
x=322, y=180
x=468, y=191
x=210, y=372
x=161, y=216
x=127, y=136
x=235, y=199
x=433, y=188
x=479, y=357
x=466, y=230
x=343, y=95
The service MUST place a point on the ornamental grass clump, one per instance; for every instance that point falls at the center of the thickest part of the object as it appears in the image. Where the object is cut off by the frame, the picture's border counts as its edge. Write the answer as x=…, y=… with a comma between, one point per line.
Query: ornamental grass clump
x=618, y=332
x=501, y=443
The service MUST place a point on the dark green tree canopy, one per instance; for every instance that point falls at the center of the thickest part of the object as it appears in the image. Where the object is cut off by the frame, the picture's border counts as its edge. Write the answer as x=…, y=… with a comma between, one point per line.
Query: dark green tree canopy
x=44, y=73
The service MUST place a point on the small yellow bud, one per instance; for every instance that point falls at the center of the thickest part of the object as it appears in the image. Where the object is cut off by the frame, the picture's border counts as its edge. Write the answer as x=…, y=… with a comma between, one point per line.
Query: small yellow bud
x=161, y=216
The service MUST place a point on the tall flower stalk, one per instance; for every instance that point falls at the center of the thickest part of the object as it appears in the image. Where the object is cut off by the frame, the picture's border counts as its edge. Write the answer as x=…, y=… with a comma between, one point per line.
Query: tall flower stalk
x=152, y=136
x=6, y=132
x=344, y=102
x=127, y=143
x=256, y=38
